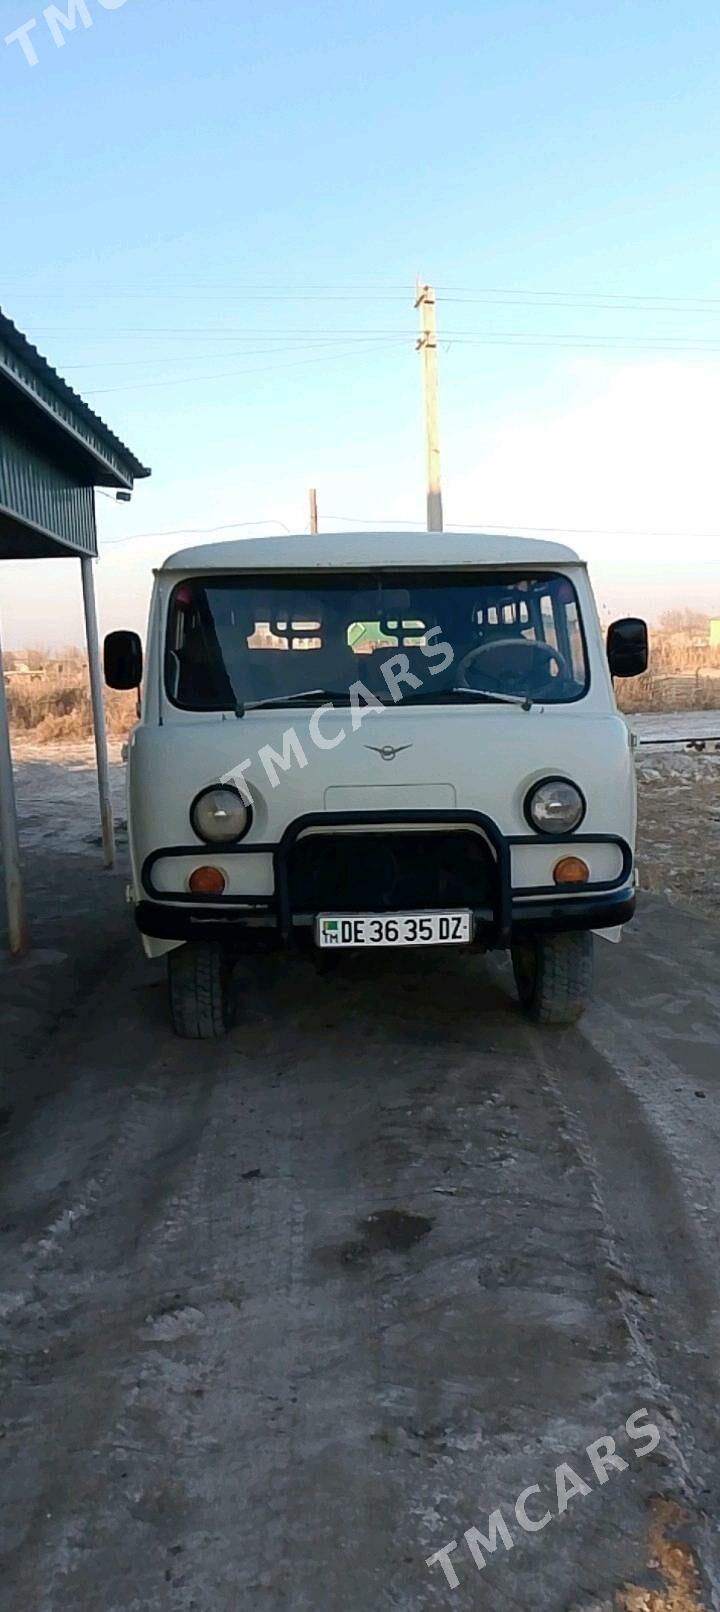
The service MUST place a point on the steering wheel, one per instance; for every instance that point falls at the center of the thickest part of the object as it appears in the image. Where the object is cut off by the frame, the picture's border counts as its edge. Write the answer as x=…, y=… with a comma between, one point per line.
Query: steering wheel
x=529, y=656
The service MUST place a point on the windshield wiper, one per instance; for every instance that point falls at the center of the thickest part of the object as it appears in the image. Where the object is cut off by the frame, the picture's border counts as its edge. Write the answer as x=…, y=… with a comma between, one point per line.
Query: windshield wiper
x=331, y=695
x=523, y=700
x=505, y=699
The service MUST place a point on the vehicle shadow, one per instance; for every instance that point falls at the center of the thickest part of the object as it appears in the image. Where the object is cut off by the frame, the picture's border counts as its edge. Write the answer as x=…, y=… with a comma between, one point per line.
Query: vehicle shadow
x=411, y=999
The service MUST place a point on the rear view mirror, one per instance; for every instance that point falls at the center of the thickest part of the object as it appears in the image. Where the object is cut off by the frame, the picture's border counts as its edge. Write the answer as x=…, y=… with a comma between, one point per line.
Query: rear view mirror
x=123, y=658
x=627, y=647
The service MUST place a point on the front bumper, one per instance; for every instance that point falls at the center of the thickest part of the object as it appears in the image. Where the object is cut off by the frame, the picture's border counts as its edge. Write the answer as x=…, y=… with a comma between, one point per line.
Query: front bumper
x=202, y=923
x=164, y=915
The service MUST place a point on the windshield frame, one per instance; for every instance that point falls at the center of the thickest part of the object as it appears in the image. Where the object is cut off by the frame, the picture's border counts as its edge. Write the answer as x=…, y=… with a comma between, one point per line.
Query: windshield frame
x=402, y=576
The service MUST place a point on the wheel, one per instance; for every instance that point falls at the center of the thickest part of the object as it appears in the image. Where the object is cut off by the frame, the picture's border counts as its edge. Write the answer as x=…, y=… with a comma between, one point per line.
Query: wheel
x=553, y=974
x=199, y=983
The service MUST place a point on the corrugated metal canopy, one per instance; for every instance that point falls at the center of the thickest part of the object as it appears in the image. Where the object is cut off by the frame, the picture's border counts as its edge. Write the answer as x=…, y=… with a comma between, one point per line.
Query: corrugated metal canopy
x=24, y=368
x=53, y=451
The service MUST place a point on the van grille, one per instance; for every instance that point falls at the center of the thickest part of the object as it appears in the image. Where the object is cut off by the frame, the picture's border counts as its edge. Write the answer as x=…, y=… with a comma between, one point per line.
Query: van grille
x=390, y=872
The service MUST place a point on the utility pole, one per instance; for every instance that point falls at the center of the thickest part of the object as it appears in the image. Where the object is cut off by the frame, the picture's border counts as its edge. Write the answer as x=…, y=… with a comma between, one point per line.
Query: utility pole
x=17, y=919
x=98, y=710
x=313, y=510
x=425, y=301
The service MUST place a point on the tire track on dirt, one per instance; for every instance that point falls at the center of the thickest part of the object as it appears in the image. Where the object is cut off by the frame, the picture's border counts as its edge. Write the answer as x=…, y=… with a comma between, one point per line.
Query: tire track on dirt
x=78, y=1139
x=350, y=1292
x=70, y=1325
x=667, y=1287
x=199, y=1234
x=415, y=1426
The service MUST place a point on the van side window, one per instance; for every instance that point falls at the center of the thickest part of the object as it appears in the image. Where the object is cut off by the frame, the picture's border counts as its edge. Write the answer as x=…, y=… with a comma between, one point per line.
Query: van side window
x=548, y=624
x=363, y=637
x=561, y=628
x=285, y=635
x=577, y=652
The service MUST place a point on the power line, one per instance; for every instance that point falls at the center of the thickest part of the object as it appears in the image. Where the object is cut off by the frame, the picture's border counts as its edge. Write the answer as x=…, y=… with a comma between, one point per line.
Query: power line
x=228, y=374
x=332, y=332
x=609, y=344
x=192, y=531
x=379, y=522
x=208, y=292
x=284, y=286
x=410, y=524
x=302, y=333
x=486, y=529
x=610, y=297
x=371, y=343
x=185, y=357
x=305, y=337
x=347, y=291
x=582, y=305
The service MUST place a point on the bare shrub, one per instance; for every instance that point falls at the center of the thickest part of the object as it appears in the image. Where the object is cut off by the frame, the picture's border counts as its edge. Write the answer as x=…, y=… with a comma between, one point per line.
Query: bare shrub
x=56, y=705
x=684, y=671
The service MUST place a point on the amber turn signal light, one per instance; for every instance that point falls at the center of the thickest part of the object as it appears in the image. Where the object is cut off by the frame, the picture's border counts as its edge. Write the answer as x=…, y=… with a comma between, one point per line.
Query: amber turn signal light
x=571, y=870
x=207, y=882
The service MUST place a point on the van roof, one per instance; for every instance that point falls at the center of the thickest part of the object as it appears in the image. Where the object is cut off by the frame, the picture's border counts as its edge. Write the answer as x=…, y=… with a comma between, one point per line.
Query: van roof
x=360, y=551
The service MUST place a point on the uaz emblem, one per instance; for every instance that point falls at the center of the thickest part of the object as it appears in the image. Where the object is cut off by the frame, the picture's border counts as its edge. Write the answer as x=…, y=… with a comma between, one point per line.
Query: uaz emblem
x=388, y=752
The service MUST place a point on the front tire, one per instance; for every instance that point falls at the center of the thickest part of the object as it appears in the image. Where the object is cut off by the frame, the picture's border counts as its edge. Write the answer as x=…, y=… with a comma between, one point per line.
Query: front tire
x=554, y=975
x=199, y=986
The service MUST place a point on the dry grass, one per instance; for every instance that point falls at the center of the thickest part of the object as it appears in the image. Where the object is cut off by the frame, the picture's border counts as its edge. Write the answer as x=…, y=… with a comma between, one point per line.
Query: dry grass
x=52, y=701
x=673, y=1559
x=684, y=674
x=669, y=692
x=49, y=697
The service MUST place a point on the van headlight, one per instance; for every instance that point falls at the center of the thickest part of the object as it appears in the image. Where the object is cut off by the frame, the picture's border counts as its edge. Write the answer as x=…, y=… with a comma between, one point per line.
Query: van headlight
x=220, y=815
x=555, y=806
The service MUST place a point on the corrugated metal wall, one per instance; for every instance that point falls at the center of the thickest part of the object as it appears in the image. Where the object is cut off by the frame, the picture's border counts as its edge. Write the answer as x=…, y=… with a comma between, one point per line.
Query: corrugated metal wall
x=35, y=489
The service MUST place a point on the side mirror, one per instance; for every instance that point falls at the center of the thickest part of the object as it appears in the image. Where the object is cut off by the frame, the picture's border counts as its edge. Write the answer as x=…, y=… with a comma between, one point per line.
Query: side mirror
x=627, y=647
x=123, y=659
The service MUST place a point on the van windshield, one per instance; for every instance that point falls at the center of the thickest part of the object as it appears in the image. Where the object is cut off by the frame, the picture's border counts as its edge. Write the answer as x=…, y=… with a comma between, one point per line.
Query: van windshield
x=234, y=641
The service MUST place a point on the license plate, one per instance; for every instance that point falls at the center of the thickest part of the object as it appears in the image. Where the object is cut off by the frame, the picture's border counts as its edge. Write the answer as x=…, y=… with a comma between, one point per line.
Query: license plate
x=394, y=929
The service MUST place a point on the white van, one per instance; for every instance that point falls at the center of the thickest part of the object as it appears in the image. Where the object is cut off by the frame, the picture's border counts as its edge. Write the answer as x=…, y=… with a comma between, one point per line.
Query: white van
x=378, y=740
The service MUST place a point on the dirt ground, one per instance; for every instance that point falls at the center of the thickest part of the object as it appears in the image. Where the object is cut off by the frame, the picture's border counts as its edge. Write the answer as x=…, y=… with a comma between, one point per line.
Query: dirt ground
x=283, y=1317
x=679, y=827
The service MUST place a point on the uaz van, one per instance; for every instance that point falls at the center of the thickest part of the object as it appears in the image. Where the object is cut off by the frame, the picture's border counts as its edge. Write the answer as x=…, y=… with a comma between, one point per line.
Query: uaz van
x=378, y=740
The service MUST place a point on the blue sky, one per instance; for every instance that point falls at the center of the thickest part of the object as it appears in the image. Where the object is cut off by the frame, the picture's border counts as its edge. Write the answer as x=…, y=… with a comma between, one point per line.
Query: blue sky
x=238, y=199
